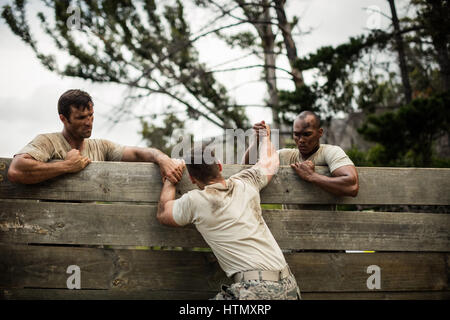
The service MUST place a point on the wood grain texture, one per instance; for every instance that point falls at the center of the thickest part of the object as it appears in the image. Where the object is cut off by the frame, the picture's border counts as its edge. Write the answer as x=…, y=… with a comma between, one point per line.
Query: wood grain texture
x=45, y=267
x=65, y=294
x=136, y=225
x=141, y=182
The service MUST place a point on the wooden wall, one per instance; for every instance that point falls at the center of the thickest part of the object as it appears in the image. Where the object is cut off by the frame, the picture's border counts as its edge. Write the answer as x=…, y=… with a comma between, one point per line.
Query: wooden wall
x=103, y=220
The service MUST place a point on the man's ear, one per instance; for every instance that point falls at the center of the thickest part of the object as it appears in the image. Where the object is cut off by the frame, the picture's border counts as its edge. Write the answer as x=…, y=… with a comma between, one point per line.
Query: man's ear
x=321, y=132
x=63, y=119
x=192, y=179
x=219, y=164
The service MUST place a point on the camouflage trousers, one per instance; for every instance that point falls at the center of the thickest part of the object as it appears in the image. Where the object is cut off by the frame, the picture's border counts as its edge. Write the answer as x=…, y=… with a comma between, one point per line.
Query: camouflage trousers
x=285, y=289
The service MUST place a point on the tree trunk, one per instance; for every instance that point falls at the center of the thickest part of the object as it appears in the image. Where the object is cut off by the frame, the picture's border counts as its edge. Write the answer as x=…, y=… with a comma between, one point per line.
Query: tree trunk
x=265, y=32
x=268, y=42
x=401, y=53
x=289, y=43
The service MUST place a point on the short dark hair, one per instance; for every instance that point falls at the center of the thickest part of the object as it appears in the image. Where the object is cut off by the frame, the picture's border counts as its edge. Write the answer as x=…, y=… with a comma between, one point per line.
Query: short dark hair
x=202, y=170
x=73, y=98
x=302, y=115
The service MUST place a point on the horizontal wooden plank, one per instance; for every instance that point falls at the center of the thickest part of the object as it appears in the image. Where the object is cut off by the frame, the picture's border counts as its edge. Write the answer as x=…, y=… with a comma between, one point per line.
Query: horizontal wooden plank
x=65, y=294
x=45, y=267
x=119, y=181
x=377, y=295
x=136, y=225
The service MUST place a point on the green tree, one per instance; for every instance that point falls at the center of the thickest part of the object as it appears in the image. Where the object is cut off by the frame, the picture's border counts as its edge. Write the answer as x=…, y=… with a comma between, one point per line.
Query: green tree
x=268, y=20
x=406, y=136
x=143, y=45
x=398, y=77
x=160, y=136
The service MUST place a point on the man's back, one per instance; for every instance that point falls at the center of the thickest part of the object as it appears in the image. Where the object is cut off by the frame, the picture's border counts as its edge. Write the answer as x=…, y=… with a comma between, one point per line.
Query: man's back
x=230, y=220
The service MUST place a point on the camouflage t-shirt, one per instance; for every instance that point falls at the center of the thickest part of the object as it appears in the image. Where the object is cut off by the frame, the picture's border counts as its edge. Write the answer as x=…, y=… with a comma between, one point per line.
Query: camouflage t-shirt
x=53, y=146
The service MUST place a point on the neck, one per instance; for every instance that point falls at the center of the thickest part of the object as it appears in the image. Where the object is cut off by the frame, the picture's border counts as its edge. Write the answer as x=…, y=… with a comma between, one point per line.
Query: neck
x=306, y=156
x=216, y=180
x=75, y=143
x=219, y=180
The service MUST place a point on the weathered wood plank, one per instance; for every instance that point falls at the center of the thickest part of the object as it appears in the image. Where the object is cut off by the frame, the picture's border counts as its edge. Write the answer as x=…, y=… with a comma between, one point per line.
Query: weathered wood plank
x=65, y=294
x=45, y=267
x=118, y=181
x=407, y=295
x=136, y=225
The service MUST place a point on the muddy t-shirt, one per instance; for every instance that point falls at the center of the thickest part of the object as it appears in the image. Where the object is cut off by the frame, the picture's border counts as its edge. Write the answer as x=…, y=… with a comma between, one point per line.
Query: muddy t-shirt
x=327, y=155
x=230, y=220
x=53, y=146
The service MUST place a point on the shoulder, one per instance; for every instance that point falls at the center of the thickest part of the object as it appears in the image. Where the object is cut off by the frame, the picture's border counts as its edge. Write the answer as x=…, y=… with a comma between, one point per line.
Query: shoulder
x=49, y=136
x=42, y=147
x=332, y=150
x=191, y=197
x=253, y=176
x=336, y=157
x=184, y=208
x=330, y=147
x=46, y=140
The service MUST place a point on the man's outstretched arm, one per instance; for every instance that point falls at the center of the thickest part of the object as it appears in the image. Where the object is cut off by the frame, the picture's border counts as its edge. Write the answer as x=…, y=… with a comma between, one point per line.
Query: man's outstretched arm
x=170, y=168
x=27, y=170
x=268, y=161
x=253, y=148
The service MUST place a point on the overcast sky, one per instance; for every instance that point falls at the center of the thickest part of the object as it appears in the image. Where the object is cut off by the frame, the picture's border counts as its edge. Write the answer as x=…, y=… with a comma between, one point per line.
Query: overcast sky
x=29, y=92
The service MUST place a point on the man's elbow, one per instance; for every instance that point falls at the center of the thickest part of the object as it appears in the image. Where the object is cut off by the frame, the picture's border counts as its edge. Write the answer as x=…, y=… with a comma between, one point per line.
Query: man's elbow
x=14, y=176
x=165, y=220
x=160, y=219
x=159, y=213
x=161, y=216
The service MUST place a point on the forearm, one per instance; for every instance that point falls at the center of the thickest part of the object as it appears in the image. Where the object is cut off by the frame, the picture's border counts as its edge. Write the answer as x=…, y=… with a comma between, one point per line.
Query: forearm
x=339, y=186
x=30, y=171
x=268, y=158
x=167, y=194
x=266, y=150
x=136, y=154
